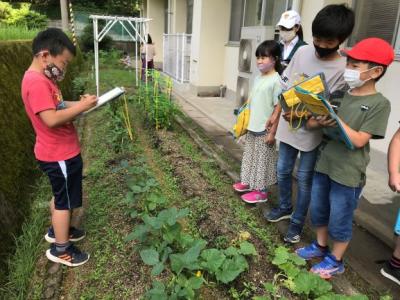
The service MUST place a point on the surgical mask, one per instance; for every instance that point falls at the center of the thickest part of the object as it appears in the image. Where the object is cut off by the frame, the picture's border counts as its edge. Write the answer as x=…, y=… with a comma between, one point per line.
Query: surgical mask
x=352, y=77
x=54, y=73
x=287, y=36
x=264, y=68
x=324, y=52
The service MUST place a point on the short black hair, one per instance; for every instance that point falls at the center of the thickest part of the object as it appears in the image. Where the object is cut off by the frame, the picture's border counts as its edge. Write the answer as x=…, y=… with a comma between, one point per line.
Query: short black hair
x=272, y=49
x=335, y=21
x=54, y=40
x=370, y=65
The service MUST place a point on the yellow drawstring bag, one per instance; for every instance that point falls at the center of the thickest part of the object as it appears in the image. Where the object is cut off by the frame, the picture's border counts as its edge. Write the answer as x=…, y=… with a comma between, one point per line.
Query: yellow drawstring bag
x=292, y=102
x=242, y=120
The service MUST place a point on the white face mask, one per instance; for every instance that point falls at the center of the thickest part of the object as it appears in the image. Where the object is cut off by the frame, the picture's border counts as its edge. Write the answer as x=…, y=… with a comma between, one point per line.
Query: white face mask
x=352, y=77
x=287, y=36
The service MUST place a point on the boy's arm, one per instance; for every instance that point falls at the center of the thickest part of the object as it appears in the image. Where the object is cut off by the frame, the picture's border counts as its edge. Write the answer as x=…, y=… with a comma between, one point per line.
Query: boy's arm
x=358, y=138
x=54, y=118
x=320, y=121
x=69, y=104
x=394, y=162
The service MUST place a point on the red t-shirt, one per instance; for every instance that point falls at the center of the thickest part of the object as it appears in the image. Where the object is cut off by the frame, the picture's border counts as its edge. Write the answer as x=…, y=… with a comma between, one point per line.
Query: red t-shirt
x=52, y=144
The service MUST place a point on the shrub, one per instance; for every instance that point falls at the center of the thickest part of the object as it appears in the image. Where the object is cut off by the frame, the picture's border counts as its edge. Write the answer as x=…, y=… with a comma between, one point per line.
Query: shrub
x=22, y=16
x=86, y=40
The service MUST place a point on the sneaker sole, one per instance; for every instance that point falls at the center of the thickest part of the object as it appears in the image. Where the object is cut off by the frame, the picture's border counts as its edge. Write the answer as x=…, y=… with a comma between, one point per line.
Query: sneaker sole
x=308, y=258
x=291, y=241
x=327, y=276
x=391, y=277
x=53, y=240
x=242, y=191
x=64, y=262
x=279, y=219
x=254, y=202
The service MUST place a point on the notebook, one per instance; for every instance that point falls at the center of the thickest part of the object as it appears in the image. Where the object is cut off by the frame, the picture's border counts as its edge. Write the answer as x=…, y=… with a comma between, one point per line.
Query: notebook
x=108, y=96
x=318, y=105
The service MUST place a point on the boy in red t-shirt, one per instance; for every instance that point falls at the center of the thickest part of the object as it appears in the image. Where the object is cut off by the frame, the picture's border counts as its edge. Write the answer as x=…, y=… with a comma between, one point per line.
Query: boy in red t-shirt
x=57, y=145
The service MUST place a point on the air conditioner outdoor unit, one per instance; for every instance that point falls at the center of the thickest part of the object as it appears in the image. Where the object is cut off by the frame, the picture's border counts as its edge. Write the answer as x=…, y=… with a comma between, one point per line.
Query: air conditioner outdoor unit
x=250, y=38
x=242, y=90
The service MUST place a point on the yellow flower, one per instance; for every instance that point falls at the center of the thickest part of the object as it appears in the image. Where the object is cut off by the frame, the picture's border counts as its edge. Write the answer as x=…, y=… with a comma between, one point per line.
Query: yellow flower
x=198, y=273
x=244, y=235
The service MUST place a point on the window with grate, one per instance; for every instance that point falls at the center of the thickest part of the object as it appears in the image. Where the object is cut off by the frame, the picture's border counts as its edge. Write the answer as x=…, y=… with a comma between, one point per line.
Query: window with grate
x=376, y=18
x=237, y=12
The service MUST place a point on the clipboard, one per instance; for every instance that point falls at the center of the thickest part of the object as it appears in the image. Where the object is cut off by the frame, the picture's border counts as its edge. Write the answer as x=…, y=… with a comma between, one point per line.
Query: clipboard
x=319, y=106
x=106, y=97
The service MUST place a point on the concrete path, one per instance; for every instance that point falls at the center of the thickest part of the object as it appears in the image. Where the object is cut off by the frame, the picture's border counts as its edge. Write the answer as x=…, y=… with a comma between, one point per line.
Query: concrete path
x=377, y=210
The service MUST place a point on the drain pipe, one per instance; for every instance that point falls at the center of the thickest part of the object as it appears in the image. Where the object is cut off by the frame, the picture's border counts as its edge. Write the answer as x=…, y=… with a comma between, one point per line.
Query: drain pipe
x=296, y=5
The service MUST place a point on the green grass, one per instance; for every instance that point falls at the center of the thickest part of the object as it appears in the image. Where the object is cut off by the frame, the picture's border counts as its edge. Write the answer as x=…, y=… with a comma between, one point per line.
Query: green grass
x=28, y=245
x=11, y=32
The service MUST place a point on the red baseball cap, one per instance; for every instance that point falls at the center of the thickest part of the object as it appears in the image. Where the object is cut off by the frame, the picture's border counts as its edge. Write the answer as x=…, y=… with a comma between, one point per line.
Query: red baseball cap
x=372, y=49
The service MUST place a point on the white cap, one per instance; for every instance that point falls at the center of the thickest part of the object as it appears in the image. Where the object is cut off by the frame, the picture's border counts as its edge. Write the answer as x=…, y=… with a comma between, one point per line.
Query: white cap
x=289, y=19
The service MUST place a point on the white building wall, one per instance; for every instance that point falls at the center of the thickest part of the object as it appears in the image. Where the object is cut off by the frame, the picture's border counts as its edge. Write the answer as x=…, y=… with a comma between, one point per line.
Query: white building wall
x=389, y=87
x=155, y=11
x=209, y=36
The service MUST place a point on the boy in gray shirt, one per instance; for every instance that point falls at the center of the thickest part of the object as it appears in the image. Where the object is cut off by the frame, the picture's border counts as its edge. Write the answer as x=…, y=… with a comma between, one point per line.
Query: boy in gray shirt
x=331, y=26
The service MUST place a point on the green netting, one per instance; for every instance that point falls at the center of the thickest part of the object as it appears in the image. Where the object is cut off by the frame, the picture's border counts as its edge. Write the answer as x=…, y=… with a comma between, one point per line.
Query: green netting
x=117, y=32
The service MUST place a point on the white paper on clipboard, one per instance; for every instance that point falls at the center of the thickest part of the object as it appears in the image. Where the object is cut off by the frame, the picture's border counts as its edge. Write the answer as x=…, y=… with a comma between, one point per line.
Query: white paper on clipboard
x=108, y=96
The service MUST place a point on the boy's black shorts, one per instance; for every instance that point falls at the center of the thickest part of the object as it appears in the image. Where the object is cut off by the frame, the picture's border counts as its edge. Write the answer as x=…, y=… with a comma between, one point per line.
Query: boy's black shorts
x=66, y=181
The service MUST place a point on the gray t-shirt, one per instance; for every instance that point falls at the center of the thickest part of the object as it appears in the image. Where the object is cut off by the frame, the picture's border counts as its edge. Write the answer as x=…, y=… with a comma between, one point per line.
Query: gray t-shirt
x=305, y=62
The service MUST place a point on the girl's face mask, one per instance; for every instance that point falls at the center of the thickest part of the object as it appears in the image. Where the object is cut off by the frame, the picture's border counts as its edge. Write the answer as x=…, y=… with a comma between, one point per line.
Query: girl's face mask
x=352, y=77
x=265, y=67
x=287, y=36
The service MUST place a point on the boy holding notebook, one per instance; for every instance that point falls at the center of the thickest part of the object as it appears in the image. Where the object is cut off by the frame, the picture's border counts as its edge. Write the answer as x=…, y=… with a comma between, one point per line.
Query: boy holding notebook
x=330, y=28
x=340, y=172
x=57, y=146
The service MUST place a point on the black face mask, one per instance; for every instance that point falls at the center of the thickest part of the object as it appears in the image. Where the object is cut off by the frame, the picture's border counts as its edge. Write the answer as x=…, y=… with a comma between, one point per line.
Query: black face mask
x=324, y=52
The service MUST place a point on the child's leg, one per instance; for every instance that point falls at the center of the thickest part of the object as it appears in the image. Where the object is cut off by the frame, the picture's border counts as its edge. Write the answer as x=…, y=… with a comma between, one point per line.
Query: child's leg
x=322, y=235
x=305, y=174
x=286, y=161
x=320, y=206
x=61, y=222
x=264, y=164
x=396, y=252
x=247, y=159
x=344, y=201
x=320, y=211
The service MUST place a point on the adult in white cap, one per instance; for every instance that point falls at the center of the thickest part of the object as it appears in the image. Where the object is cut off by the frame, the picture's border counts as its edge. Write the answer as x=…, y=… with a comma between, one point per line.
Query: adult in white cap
x=291, y=35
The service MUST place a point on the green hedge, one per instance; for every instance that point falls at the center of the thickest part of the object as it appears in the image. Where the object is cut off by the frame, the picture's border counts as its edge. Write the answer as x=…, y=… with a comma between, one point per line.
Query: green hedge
x=18, y=167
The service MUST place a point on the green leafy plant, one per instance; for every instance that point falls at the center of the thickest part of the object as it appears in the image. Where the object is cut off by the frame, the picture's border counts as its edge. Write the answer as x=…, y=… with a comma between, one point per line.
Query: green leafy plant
x=294, y=277
x=155, y=98
x=164, y=245
x=22, y=16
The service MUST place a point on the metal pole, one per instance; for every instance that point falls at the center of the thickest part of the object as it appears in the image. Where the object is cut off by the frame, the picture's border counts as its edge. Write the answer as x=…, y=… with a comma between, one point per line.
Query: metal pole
x=145, y=50
x=177, y=57
x=96, y=55
x=136, y=56
x=183, y=55
x=64, y=14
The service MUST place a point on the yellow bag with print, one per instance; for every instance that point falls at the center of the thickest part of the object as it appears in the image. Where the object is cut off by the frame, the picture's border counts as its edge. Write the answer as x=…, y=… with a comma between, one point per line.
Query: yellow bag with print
x=242, y=121
x=291, y=102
